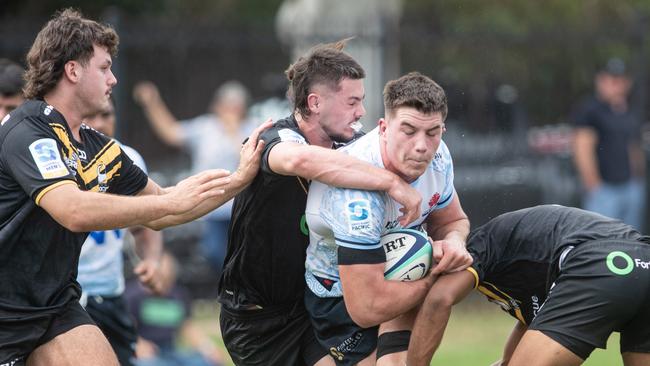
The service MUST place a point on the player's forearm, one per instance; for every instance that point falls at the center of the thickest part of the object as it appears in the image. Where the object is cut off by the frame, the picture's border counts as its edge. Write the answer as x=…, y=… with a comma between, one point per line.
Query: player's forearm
x=91, y=211
x=386, y=301
x=457, y=229
x=512, y=342
x=429, y=327
x=340, y=170
x=236, y=185
x=148, y=243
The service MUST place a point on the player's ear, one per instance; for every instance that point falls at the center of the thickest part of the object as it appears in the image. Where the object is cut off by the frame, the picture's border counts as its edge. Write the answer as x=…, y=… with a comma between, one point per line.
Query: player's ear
x=72, y=71
x=383, y=125
x=314, y=103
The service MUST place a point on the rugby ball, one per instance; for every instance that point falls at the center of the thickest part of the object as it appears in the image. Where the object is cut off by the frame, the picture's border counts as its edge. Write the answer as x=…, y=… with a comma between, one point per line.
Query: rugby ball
x=408, y=254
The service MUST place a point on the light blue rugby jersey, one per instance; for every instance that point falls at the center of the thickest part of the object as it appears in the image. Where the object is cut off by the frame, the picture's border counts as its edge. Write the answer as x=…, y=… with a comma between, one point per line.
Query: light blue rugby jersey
x=357, y=219
x=100, y=270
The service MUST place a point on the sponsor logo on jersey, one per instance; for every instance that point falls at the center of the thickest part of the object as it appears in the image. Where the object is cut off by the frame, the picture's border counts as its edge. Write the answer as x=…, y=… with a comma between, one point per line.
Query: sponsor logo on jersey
x=359, y=214
x=535, y=305
x=287, y=135
x=434, y=199
x=48, y=110
x=48, y=161
x=101, y=177
x=627, y=265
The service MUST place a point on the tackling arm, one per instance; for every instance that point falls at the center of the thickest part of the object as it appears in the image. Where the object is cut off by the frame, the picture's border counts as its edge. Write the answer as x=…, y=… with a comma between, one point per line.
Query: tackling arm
x=341, y=170
x=431, y=321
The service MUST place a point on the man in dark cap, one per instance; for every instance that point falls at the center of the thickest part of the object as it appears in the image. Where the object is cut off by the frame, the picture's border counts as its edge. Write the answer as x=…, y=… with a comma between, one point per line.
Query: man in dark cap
x=607, y=148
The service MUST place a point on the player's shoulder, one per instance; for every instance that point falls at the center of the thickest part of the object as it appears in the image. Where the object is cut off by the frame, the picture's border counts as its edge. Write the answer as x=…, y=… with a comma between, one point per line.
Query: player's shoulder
x=30, y=111
x=284, y=130
x=442, y=160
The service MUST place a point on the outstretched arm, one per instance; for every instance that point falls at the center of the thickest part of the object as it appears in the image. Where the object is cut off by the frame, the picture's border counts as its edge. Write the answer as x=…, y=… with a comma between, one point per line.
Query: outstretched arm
x=431, y=321
x=341, y=170
x=249, y=162
x=161, y=119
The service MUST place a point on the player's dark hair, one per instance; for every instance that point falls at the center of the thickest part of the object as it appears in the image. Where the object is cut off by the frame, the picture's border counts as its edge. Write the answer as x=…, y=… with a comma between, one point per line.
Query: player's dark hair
x=68, y=36
x=417, y=91
x=324, y=64
x=11, y=78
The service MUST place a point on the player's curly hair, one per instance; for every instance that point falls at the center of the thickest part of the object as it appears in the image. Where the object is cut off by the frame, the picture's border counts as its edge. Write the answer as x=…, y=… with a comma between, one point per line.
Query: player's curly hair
x=66, y=37
x=417, y=91
x=324, y=64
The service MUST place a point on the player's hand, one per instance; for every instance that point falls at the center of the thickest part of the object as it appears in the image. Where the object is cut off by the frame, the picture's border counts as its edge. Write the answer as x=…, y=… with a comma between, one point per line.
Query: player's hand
x=251, y=154
x=145, y=93
x=409, y=198
x=148, y=273
x=191, y=191
x=451, y=256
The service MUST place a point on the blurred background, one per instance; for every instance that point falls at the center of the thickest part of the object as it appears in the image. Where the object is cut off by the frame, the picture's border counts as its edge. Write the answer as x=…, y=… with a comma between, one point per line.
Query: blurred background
x=514, y=72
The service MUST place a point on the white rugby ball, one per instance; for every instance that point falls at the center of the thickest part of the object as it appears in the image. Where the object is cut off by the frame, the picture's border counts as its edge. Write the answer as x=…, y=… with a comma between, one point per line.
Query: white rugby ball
x=408, y=254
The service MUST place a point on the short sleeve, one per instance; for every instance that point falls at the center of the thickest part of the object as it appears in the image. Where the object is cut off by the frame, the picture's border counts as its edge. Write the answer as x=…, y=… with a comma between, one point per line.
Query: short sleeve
x=34, y=160
x=131, y=180
x=477, y=247
x=582, y=114
x=444, y=163
x=355, y=217
x=274, y=136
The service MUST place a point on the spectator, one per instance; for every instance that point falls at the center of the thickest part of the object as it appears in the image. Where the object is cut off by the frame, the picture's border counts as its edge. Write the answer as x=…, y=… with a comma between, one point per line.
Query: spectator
x=213, y=140
x=607, y=148
x=11, y=86
x=164, y=319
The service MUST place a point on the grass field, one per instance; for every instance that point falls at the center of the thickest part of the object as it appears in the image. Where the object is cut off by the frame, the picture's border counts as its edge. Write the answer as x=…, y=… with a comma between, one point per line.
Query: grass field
x=475, y=336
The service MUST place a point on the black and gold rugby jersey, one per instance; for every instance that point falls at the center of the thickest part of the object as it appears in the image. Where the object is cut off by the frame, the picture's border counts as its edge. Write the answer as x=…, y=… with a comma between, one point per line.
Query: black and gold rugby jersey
x=39, y=257
x=516, y=254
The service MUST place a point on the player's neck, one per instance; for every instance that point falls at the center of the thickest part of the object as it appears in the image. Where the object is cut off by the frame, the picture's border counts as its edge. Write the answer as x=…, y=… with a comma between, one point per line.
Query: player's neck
x=313, y=132
x=66, y=106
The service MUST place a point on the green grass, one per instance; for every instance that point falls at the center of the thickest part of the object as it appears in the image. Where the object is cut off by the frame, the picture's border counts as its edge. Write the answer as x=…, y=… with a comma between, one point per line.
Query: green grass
x=478, y=330
x=475, y=335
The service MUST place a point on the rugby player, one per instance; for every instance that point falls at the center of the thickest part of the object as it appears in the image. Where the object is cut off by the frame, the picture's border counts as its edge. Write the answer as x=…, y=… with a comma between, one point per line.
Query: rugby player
x=261, y=289
x=570, y=277
x=347, y=296
x=60, y=179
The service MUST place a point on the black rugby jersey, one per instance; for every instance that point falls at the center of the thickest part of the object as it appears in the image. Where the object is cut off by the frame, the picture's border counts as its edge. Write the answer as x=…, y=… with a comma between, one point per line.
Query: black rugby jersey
x=516, y=254
x=268, y=236
x=38, y=256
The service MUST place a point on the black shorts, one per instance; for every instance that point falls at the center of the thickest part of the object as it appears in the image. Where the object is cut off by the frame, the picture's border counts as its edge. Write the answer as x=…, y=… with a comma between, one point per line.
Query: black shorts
x=346, y=342
x=603, y=286
x=112, y=317
x=281, y=336
x=21, y=335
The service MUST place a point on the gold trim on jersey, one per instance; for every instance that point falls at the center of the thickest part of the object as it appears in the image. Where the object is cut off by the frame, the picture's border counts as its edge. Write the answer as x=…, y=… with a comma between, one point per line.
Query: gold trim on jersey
x=503, y=298
x=473, y=272
x=51, y=187
x=104, y=158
